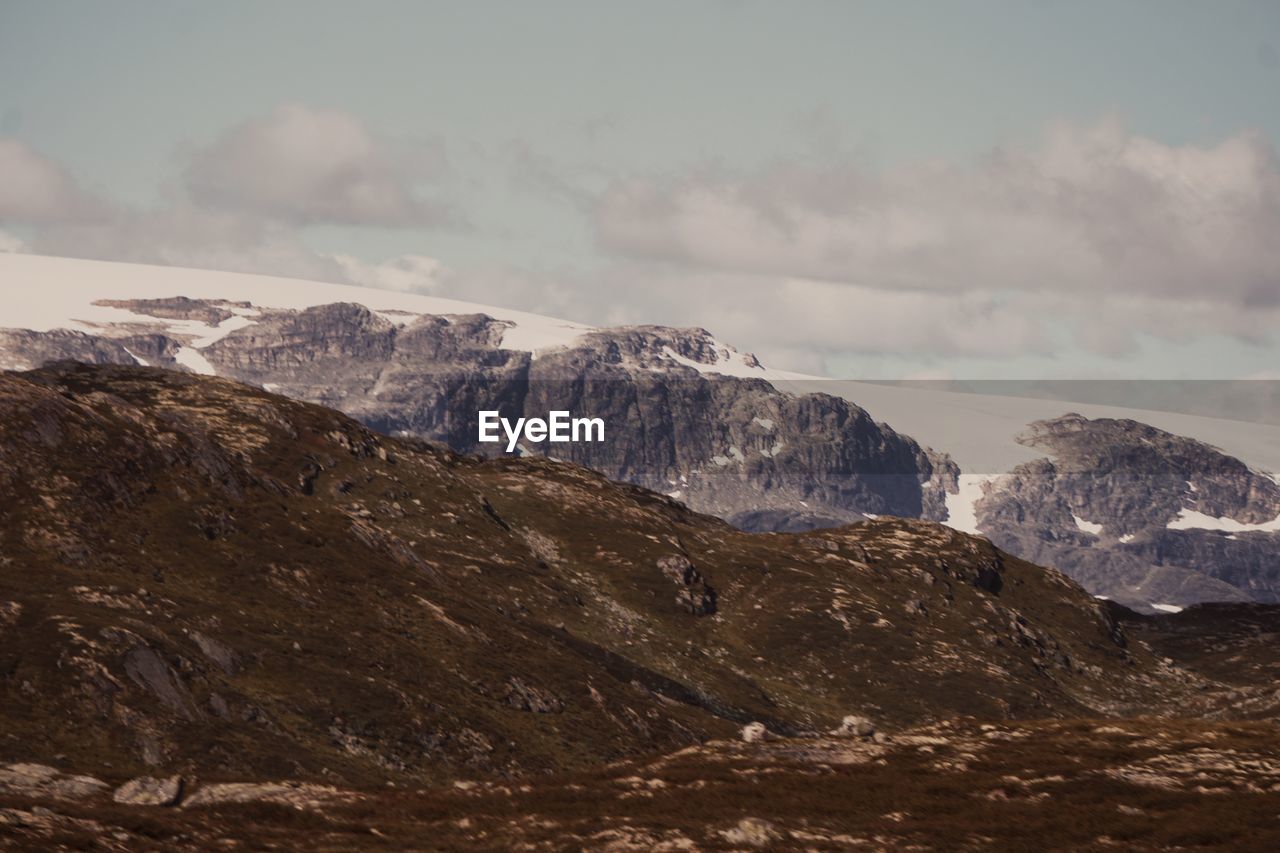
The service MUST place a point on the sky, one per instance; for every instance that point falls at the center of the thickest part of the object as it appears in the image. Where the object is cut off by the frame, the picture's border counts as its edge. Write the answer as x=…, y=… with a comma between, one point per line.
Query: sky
x=1034, y=189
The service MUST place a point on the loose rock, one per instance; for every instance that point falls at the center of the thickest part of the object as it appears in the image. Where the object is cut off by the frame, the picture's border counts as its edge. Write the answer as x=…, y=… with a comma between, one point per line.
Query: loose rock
x=855, y=726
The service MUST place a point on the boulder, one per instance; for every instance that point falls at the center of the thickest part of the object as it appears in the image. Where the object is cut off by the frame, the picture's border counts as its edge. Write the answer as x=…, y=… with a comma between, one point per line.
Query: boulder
x=756, y=733
x=300, y=795
x=855, y=726
x=150, y=791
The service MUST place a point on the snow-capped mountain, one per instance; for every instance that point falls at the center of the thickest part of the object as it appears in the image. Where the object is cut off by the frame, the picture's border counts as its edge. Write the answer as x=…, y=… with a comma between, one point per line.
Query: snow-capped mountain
x=97, y=298
x=692, y=416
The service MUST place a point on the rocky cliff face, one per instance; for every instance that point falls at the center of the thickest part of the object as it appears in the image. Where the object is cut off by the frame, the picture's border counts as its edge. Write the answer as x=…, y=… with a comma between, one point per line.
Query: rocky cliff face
x=1139, y=515
x=201, y=576
x=735, y=447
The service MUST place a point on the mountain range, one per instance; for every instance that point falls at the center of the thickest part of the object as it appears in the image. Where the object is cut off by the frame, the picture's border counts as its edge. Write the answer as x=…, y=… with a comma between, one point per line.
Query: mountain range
x=1196, y=518
x=230, y=618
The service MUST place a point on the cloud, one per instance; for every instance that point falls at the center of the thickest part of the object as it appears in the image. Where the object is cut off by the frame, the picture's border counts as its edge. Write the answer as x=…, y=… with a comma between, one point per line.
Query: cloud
x=243, y=208
x=10, y=242
x=1088, y=210
x=188, y=236
x=1082, y=248
x=406, y=273
x=35, y=191
x=304, y=166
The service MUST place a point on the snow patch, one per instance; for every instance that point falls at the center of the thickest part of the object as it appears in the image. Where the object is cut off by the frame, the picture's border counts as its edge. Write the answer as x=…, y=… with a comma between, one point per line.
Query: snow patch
x=730, y=362
x=137, y=358
x=1128, y=537
x=767, y=423
x=961, y=512
x=533, y=333
x=213, y=334
x=1189, y=519
x=1167, y=608
x=192, y=359
x=62, y=293
x=399, y=318
x=1087, y=526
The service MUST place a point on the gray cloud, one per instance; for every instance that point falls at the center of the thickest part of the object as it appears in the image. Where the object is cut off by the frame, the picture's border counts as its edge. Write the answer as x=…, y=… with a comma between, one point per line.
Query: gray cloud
x=1092, y=241
x=1088, y=210
x=246, y=198
x=36, y=191
x=184, y=235
x=304, y=165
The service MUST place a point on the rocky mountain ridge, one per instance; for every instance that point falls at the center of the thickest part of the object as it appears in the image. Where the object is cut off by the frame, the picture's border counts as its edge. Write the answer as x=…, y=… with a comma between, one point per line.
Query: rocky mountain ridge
x=691, y=418
x=1139, y=515
x=204, y=576
x=734, y=446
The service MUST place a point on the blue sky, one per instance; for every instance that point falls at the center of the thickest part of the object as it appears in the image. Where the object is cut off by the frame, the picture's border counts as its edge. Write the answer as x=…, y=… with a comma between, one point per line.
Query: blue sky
x=753, y=167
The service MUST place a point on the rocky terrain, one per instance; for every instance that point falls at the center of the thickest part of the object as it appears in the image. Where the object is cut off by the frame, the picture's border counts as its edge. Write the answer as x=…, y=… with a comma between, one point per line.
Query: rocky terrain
x=191, y=565
x=228, y=617
x=1079, y=784
x=1139, y=515
x=734, y=446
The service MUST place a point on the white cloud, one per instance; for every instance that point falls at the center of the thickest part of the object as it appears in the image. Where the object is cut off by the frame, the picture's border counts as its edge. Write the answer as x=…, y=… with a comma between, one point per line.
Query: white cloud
x=305, y=165
x=10, y=242
x=34, y=190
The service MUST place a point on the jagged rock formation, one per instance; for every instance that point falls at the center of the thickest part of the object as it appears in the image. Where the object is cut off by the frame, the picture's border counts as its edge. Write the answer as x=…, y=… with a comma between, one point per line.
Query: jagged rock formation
x=735, y=447
x=199, y=576
x=1139, y=515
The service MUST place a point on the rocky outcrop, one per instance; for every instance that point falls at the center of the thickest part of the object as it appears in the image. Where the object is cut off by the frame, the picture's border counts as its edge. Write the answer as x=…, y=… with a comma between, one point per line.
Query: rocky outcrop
x=734, y=447
x=297, y=795
x=39, y=780
x=961, y=784
x=150, y=791
x=1139, y=515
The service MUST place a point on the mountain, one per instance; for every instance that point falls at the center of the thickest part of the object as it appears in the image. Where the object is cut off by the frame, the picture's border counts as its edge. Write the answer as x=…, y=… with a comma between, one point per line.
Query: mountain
x=691, y=417
x=298, y=631
x=204, y=575
x=686, y=414
x=1140, y=514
